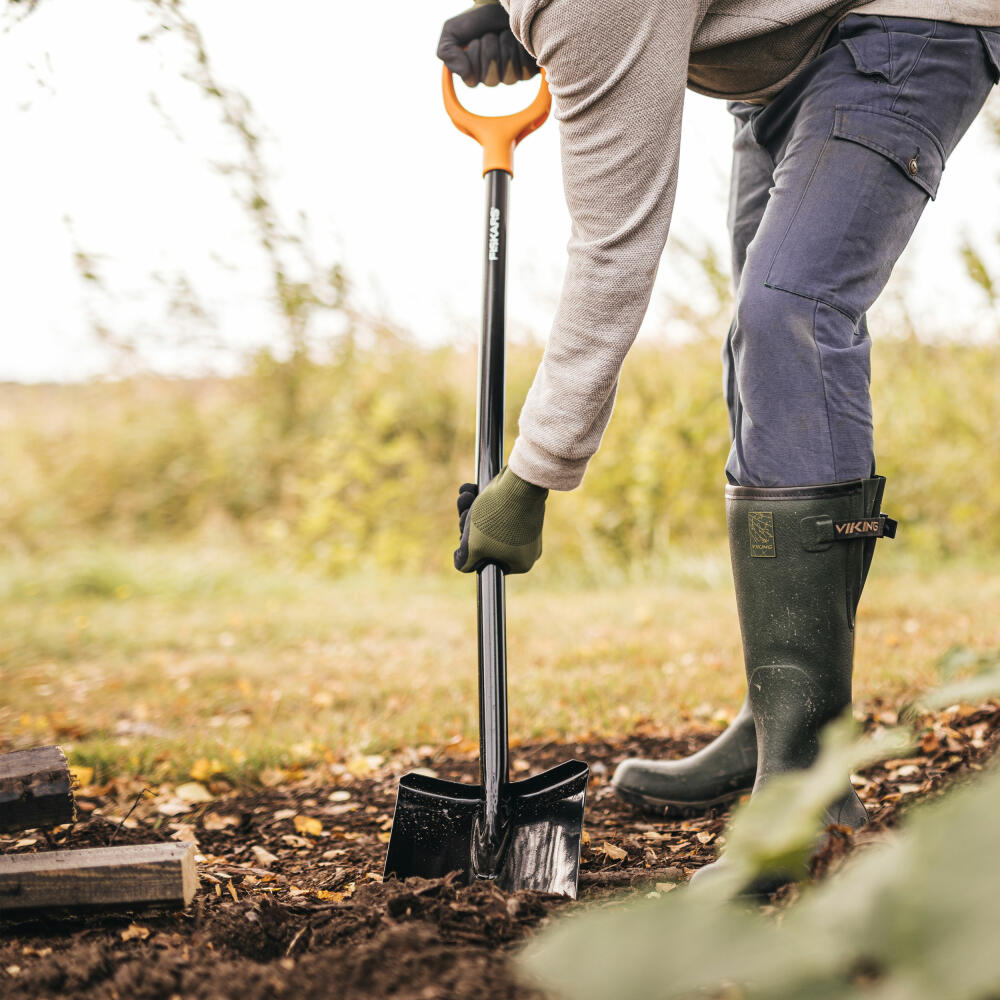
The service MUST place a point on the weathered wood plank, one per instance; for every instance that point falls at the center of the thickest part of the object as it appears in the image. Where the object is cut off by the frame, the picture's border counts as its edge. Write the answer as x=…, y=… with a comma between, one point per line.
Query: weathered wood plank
x=98, y=877
x=36, y=789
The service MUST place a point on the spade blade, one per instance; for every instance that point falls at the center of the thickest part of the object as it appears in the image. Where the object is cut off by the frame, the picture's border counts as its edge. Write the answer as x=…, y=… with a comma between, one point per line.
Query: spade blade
x=433, y=830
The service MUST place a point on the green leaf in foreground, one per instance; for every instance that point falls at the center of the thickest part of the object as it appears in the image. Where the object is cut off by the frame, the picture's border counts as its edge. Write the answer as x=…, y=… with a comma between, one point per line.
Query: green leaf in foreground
x=913, y=918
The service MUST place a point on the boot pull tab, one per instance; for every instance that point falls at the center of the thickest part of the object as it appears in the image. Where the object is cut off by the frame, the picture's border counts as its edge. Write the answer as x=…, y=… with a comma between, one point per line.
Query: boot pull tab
x=819, y=533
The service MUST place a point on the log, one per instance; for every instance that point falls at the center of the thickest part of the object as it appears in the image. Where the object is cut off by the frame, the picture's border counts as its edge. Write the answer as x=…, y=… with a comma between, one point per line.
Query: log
x=36, y=789
x=97, y=878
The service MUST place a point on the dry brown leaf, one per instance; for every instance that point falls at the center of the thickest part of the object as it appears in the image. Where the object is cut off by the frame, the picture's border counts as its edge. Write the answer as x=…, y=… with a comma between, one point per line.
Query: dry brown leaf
x=665, y=886
x=193, y=791
x=307, y=825
x=83, y=776
x=613, y=852
x=214, y=821
x=203, y=769
x=184, y=832
x=134, y=931
x=262, y=856
x=359, y=767
x=385, y=837
x=704, y=838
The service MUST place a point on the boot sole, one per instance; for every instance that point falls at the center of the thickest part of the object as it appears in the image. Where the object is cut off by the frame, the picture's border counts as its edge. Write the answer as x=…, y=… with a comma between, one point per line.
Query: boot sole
x=667, y=807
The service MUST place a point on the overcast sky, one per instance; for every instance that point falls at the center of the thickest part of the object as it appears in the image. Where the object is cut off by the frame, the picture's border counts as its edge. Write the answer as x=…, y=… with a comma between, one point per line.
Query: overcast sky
x=349, y=98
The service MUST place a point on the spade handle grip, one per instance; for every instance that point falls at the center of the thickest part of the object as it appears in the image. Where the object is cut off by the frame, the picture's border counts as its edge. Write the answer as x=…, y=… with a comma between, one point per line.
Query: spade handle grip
x=497, y=134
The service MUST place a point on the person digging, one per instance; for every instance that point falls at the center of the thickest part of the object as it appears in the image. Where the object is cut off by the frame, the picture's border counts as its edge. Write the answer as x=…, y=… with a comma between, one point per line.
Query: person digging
x=845, y=115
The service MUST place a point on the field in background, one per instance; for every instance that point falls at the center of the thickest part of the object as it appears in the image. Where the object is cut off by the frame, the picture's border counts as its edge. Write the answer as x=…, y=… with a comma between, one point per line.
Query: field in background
x=255, y=574
x=352, y=465
x=153, y=662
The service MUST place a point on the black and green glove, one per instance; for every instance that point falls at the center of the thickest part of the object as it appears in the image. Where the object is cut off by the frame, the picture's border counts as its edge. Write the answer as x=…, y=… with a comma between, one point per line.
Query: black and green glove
x=502, y=525
x=479, y=46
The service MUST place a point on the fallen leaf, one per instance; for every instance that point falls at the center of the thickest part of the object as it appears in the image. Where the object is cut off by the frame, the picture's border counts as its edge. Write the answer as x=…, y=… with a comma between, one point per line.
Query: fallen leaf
x=284, y=814
x=232, y=891
x=340, y=795
x=294, y=840
x=214, y=821
x=263, y=857
x=384, y=838
x=172, y=807
x=666, y=886
x=585, y=838
x=613, y=852
x=183, y=832
x=308, y=825
x=83, y=776
x=134, y=931
x=704, y=838
x=203, y=769
x=359, y=767
x=192, y=791
x=26, y=842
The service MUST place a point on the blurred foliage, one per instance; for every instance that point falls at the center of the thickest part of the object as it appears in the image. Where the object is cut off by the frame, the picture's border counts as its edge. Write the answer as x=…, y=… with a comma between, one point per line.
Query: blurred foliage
x=912, y=917
x=353, y=462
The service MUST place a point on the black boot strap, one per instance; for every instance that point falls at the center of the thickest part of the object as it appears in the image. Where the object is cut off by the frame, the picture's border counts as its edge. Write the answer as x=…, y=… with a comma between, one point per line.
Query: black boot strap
x=818, y=533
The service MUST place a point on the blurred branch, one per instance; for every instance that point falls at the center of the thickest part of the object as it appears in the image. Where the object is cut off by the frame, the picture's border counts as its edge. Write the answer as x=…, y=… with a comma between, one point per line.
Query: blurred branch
x=301, y=285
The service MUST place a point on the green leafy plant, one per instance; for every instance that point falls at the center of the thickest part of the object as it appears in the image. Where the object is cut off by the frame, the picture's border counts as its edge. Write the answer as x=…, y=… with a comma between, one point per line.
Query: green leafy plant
x=911, y=918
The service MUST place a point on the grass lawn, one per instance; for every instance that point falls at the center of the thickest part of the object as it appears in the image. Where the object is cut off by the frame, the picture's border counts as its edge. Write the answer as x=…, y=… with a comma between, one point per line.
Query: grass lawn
x=144, y=662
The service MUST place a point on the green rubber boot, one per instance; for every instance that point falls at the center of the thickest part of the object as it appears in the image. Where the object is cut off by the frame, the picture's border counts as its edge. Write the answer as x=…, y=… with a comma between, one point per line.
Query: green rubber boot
x=714, y=776
x=726, y=768
x=800, y=560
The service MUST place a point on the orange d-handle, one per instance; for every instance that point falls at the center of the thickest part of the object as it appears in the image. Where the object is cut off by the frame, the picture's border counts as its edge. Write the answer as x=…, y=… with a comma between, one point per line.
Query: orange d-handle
x=498, y=135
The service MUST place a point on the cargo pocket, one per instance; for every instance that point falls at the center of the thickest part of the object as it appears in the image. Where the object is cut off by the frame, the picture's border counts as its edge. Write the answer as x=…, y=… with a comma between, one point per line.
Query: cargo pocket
x=991, y=39
x=872, y=54
x=869, y=187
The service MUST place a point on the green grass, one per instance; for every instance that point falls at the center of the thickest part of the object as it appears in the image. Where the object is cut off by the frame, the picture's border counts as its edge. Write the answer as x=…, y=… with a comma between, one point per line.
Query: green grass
x=142, y=662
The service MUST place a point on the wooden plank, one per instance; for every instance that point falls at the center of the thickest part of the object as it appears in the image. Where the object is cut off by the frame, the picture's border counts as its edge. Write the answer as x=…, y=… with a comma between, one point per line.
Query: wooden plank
x=36, y=789
x=98, y=878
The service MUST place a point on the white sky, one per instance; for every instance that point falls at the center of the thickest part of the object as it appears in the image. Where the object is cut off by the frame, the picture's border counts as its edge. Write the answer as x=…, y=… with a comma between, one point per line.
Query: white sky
x=349, y=98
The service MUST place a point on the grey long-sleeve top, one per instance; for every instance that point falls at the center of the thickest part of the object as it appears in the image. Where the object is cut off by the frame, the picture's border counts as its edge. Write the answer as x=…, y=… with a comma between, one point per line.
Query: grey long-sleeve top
x=618, y=72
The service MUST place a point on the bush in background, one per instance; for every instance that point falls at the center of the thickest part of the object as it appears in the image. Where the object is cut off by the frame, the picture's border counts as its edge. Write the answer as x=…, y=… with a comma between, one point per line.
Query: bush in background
x=353, y=463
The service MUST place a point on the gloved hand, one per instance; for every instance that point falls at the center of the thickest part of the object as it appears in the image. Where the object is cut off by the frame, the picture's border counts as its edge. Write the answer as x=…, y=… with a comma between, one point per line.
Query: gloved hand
x=503, y=524
x=479, y=46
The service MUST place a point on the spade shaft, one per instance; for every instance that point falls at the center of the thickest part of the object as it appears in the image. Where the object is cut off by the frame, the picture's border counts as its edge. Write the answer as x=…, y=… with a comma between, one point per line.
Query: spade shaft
x=493, y=753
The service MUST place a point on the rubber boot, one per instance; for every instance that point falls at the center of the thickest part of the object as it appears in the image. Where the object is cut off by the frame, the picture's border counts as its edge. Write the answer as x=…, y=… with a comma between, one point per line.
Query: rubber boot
x=800, y=560
x=726, y=768
x=715, y=775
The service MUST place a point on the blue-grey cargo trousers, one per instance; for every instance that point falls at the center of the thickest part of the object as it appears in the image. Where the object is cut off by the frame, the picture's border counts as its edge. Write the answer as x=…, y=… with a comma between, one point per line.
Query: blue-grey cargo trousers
x=829, y=181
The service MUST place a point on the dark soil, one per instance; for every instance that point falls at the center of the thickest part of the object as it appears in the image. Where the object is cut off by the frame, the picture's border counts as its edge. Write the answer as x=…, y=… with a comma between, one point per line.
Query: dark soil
x=315, y=920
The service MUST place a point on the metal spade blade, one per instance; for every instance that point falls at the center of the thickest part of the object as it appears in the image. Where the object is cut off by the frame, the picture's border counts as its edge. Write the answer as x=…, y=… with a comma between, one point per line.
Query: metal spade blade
x=436, y=822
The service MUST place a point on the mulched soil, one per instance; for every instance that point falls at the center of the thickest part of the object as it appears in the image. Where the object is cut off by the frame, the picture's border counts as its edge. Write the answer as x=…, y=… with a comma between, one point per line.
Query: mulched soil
x=286, y=909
